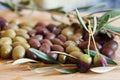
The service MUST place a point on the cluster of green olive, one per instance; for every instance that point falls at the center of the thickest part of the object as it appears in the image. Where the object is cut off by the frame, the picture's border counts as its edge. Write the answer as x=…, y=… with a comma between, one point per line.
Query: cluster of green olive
x=13, y=39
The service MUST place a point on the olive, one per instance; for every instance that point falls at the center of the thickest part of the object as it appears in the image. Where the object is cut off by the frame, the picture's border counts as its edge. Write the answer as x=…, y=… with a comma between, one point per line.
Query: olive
x=20, y=31
x=32, y=33
x=99, y=60
x=15, y=21
x=69, y=49
x=57, y=31
x=5, y=40
x=76, y=54
x=27, y=28
x=30, y=55
x=62, y=37
x=34, y=43
x=12, y=26
x=84, y=45
x=53, y=55
x=46, y=41
x=38, y=37
x=84, y=63
x=76, y=25
x=19, y=39
x=5, y=51
x=18, y=52
x=57, y=48
x=62, y=58
x=74, y=38
x=68, y=31
x=25, y=45
x=57, y=41
x=41, y=30
x=109, y=52
x=3, y=23
x=45, y=48
x=70, y=43
x=24, y=35
x=49, y=36
x=9, y=33
x=51, y=27
x=111, y=44
x=40, y=24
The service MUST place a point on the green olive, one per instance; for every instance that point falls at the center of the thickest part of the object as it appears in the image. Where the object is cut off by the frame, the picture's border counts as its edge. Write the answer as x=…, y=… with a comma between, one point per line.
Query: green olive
x=69, y=49
x=19, y=39
x=5, y=51
x=25, y=35
x=70, y=43
x=25, y=45
x=68, y=31
x=5, y=40
x=12, y=26
x=18, y=52
x=9, y=33
x=62, y=58
x=27, y=28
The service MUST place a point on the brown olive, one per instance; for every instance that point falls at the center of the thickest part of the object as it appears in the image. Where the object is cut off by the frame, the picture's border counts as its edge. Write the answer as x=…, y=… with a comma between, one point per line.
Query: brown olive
x=46, y=41
x=70, y=43
x=62, y=37
x=18, y=52
x=57, y=48
x=45, y=48
x=5, y=51
x=57, y=41
x=70, y=49
x=38, y=37
x=49, y=36
x=74, y=38
x=34, y=43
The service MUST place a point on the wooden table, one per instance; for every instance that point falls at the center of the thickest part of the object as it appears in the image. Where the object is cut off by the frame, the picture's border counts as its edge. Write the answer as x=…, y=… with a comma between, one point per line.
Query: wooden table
x=22, y=72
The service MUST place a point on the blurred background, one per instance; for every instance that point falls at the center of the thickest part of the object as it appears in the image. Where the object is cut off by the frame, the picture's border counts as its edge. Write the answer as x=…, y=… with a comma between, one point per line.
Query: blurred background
x=67, y=5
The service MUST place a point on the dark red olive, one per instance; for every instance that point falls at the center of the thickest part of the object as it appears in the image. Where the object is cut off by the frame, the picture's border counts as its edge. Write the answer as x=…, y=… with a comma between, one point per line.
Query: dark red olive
x=45, y=48
x=111, y=44
x=99, y=60
x=84, y=63
x=38, y=37
x=32, y=33
x=34, y=43
x=53, y=55
x=41, y=30
x=50, y=36
x=51, y=27
x=40, y=24
x=109, y=52
x=76, y=25
x=30, y=55
x=84, y=45
x=62, y=37
x=3, y=23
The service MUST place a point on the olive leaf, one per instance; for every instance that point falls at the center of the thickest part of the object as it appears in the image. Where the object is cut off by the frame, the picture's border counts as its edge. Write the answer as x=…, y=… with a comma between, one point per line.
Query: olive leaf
x=103, y=22
x=113, y=28
x=112, y=14
x=23, y=60
x=67, y=71
x=81, y=20
x=95, y=24
x=93, y=53
x=45, y=69
x=43, y=56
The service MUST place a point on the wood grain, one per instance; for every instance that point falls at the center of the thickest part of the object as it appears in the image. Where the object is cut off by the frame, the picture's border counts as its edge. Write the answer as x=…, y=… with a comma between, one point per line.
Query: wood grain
x=22, y=72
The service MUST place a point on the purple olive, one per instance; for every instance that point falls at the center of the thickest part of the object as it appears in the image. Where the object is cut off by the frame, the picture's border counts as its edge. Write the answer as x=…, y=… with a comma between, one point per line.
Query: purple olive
x=3, y=23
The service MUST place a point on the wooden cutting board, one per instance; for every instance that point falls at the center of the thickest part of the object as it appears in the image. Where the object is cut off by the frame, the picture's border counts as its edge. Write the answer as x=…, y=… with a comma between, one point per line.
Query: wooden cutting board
x=22, y=72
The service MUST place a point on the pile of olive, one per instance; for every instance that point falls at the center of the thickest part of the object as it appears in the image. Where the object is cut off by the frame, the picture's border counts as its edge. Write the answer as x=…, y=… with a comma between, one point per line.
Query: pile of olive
x=13, y=39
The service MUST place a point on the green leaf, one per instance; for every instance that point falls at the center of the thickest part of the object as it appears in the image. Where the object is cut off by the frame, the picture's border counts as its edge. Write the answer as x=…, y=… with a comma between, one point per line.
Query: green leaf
x=112, y=14
x=81, y=20
x=93, y=53
x=113, y=28
x=110, y=61
x=67, y=71
x=103, y=22
x=43, y=56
